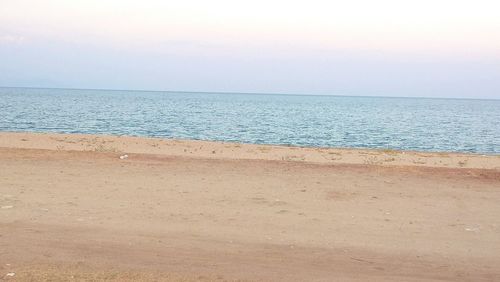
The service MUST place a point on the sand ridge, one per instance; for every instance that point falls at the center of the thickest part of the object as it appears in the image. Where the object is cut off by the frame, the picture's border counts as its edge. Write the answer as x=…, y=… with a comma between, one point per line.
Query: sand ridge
x=221, y=150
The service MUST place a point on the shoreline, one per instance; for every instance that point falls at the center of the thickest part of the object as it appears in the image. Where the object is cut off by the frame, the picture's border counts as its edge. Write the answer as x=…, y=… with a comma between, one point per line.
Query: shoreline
x=244, y=151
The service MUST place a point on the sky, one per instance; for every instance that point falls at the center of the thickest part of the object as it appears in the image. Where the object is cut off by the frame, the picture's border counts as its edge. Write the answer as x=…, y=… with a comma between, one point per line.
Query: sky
x=425, y=48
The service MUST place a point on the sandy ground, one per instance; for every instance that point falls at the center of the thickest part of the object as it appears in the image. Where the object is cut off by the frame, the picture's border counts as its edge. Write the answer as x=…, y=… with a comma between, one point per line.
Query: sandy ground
x=71, y=209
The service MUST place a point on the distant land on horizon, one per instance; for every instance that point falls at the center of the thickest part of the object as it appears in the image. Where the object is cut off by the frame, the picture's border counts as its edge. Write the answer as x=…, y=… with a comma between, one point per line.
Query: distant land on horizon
x=251, y=93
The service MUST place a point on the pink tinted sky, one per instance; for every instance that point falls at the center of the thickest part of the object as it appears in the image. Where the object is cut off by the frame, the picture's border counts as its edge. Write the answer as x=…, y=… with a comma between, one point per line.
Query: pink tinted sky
x=390, y=48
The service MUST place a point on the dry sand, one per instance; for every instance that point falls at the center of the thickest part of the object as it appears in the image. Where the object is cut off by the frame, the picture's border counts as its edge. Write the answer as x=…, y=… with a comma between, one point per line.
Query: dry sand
x=71, y=209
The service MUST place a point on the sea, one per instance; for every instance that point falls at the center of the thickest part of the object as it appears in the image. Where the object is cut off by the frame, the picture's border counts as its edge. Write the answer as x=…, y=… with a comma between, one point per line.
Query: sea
x=418, y=124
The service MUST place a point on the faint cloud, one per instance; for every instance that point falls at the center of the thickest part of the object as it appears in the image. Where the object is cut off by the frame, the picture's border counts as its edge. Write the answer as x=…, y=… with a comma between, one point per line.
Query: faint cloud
x=186, y=45
x=11, y=39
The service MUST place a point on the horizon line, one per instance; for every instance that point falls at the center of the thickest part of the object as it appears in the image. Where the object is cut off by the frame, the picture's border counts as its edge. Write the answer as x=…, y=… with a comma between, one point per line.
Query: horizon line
x=249, y=93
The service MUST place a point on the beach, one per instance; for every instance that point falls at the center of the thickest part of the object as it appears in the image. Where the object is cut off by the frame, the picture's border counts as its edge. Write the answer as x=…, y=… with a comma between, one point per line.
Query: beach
x=89, y=207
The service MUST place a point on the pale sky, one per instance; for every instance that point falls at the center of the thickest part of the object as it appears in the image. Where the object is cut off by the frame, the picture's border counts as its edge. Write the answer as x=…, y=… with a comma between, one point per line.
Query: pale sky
x=438, y=48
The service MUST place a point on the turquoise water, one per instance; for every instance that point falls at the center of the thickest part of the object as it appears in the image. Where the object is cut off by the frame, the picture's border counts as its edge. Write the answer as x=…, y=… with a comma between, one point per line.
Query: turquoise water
x=333, y=121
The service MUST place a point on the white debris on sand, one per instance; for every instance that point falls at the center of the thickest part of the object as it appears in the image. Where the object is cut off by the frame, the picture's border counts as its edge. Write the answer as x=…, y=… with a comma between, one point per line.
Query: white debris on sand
x=472, y=229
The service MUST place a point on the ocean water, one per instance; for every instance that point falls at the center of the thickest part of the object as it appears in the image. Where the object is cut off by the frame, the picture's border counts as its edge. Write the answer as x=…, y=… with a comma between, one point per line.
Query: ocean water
x=321, y=121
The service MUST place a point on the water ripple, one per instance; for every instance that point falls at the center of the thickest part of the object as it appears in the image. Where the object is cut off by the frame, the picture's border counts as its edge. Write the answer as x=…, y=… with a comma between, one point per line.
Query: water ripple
x=363, y=122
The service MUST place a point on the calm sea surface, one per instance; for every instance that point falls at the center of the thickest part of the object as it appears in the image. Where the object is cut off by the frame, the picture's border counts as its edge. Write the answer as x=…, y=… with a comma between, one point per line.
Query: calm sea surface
x=395, y=123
